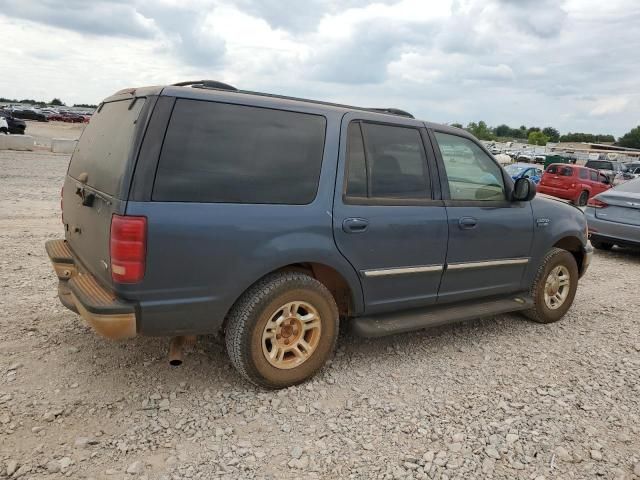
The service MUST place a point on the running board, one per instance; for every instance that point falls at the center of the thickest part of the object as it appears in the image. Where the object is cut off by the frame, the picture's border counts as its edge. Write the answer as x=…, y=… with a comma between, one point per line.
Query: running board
x=410, y=320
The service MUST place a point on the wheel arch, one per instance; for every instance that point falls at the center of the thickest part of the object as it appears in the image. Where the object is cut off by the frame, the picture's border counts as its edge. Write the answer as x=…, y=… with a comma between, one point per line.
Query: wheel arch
x=345, y=289
x=574, y=246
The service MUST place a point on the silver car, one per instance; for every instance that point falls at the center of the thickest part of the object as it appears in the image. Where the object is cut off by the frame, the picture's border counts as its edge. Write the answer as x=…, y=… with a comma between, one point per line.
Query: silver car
x=614, y=216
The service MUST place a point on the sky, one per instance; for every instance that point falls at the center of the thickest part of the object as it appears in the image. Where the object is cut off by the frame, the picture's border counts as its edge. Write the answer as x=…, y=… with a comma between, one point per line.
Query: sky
x=570, y=64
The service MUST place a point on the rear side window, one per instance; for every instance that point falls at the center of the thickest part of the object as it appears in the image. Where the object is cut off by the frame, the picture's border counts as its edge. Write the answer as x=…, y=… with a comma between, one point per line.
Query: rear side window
x=386, y=162
x=105, y=145
x=594, y=175
x=223, y=153
x=584, y=174
x=560, y=170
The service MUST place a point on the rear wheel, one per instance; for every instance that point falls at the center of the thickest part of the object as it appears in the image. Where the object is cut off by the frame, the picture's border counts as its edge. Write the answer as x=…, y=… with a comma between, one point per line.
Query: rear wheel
x=601, y=245
x=583, y=199
x=554, y=287
x=282, y=330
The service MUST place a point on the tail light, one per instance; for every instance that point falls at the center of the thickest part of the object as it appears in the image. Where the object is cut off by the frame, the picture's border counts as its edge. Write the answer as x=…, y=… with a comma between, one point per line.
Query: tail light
x=128, y=246
x=595, y=203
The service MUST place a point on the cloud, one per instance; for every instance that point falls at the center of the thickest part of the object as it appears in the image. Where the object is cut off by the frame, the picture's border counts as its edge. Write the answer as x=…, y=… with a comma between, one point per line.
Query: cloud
x=610, y=105
x=565, y=63
x=113, y=17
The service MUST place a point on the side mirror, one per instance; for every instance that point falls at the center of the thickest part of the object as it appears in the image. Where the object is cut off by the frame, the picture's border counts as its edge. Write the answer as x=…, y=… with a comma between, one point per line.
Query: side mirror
x=524, y=190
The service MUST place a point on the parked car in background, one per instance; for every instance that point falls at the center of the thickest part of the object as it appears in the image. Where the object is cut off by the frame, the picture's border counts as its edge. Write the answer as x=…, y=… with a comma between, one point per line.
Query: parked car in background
x=4, y=126
x=16, y=126
x=614, y=216
x=270, y=219
x=634, y=168
x=525, y=170
x=617, y=172
x=573, y=182
x=30, y=115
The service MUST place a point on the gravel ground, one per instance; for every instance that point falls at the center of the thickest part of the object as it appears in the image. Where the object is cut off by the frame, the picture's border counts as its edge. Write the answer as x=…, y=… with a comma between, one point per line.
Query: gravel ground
x=492, y=398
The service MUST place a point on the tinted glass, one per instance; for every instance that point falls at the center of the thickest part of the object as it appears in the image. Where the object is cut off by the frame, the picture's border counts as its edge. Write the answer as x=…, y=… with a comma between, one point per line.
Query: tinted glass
x=471, y=173
x=594, y=176
x=105, y=145
x=560, y=170
x=392, y=166
x=215, y=152
x=356, y=164
x=600, y=165
x=584, y=174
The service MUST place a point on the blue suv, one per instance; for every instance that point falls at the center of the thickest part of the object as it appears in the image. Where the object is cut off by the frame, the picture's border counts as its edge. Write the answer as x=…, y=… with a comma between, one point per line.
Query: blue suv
x=200, y=209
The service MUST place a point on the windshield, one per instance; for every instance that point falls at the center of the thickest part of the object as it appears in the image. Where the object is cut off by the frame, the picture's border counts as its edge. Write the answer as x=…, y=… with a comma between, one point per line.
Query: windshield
x=599, y=165
x=632, y=186
x=515, y=169
x=105, y=144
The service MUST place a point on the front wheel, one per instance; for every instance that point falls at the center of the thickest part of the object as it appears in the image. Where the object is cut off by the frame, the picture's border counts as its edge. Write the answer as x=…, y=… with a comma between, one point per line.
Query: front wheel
x=554, y=287
x=282, y=330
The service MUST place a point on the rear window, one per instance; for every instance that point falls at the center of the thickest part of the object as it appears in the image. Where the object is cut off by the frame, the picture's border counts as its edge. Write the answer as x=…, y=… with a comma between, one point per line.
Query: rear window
x=215, y=152
x=599, y=165
x=105, y=145
x=560, y=170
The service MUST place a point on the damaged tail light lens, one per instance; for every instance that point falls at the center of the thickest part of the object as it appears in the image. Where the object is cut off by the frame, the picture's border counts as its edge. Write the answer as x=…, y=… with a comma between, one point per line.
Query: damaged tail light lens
x=128, y=248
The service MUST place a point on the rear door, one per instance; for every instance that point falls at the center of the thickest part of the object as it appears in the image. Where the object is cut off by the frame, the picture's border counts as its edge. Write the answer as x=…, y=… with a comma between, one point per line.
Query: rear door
x=490, y=236
x=388, y=219
x=97, y=180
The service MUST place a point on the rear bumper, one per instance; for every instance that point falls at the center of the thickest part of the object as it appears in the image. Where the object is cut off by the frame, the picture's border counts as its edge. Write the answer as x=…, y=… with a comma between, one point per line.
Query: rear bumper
x=79, y=291
x=612, y=232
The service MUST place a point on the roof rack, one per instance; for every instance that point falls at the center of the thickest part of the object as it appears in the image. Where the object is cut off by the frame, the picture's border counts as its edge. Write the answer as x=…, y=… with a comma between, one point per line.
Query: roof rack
x=206, y=84
x=392, y=111
x=214, y=84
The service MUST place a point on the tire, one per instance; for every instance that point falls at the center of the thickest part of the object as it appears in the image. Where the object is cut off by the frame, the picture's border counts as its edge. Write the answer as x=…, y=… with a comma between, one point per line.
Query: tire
x=583, y=199
x=541, y=311
x=601, y=245
x=4, y=130
x=262, y=305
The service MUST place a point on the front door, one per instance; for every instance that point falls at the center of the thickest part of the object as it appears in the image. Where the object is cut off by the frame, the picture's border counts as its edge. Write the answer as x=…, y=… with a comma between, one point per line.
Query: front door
x=489, y=235
x=388, y=220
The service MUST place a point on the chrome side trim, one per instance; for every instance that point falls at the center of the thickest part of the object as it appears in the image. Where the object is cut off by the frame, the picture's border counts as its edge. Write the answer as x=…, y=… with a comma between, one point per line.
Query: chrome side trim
x=402, y=271
x=487, y=263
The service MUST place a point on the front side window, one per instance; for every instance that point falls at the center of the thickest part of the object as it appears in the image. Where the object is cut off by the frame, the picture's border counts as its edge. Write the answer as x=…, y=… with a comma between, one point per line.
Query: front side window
x=385, y=161
x=222, y=153
x=471, y=173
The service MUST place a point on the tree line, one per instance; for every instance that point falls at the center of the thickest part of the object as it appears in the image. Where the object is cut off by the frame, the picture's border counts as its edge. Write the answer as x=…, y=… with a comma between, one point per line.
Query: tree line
x=56, y=102
x=541, y=136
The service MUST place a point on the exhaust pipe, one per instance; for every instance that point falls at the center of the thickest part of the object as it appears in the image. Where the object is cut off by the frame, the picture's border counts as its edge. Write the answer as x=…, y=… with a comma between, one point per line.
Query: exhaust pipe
x=176, y=348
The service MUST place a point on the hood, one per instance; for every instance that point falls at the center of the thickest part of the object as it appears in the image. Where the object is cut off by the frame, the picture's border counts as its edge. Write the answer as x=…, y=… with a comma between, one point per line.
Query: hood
x=555, y=202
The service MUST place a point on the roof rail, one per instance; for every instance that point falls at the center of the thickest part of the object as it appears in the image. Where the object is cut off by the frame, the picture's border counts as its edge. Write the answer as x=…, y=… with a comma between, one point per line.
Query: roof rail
x=392, y=111
x=214, y=84
x=206, y=84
